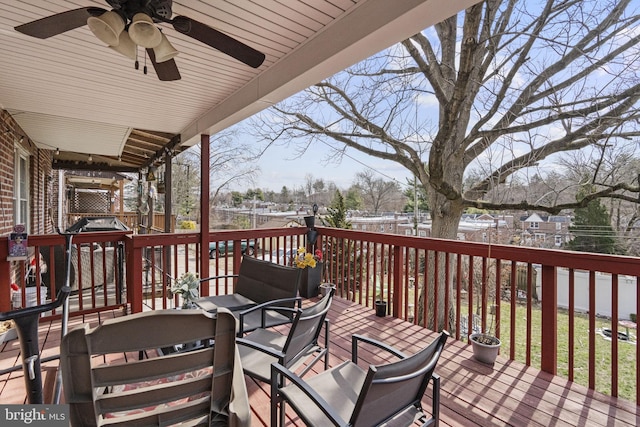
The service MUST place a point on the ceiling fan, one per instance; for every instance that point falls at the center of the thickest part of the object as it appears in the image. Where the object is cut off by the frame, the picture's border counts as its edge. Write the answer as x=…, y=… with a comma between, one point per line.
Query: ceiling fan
x=132, y=23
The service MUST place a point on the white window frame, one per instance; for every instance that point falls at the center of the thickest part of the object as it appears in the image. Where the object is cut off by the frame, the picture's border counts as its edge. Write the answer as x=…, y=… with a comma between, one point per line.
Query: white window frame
x=21, y=202
x=535, y=225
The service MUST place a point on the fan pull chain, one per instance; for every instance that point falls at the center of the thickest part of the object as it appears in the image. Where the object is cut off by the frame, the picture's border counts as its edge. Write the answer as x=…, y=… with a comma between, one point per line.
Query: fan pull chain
x=136, y=64
x=145, y=65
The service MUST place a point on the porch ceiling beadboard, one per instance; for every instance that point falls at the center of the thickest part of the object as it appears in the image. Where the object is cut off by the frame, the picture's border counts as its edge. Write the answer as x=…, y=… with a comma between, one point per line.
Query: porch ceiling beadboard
x=71, y=93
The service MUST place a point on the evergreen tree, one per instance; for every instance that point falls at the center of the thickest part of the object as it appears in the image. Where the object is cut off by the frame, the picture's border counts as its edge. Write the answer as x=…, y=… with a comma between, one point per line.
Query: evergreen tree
x=353, y=200
x=337, y=217
x=592, y=230
x=409, y=193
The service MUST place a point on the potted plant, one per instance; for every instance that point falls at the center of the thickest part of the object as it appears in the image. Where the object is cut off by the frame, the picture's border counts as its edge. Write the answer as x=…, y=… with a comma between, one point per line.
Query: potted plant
x=187, y=286
x=8, y=331
x=380, y=303
x=312, y=276
x=485, y=345
x=325, y=288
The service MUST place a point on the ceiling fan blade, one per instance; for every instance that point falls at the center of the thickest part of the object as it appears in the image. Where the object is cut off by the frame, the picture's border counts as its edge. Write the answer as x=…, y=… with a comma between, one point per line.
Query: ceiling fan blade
x=59, y=23
x=167, y=70
x=218, y=40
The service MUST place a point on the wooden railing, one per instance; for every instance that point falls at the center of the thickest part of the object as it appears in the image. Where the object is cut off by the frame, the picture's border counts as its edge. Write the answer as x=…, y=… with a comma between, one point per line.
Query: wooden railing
x=548, y=307
x=130, y=219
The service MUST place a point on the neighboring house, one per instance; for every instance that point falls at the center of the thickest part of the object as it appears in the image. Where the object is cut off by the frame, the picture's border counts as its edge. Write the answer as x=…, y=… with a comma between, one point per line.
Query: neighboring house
x=379, y=224
x=545, y=230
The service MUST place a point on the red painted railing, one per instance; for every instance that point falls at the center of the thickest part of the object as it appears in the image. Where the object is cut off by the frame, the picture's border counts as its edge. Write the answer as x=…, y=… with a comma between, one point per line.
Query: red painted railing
x=550, y=308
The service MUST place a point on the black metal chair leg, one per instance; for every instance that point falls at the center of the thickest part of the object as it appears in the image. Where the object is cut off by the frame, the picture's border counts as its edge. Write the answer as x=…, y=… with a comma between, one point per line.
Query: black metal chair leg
x=27, y=328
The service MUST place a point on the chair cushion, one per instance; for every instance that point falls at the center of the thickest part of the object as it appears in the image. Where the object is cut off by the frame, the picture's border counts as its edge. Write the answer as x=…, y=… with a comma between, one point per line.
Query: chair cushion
x=339, y=386
x=257, y=362
x=253, y=320
x=233, y=302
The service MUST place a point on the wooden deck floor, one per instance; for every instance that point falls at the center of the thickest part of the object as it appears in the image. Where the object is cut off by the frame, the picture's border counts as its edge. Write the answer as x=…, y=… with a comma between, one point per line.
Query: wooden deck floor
x=507, y=393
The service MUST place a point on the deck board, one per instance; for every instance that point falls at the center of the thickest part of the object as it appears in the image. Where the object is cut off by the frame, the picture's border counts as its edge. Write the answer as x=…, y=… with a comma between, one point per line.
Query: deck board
x=472, y=393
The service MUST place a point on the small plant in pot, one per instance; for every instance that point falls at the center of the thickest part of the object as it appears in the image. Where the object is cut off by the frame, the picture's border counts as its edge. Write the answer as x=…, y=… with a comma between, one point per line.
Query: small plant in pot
x=485, y=345
x=380, y=303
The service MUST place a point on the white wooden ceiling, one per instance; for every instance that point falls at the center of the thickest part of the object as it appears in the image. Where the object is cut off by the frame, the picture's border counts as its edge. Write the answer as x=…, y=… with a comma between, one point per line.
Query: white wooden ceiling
x=72, y=93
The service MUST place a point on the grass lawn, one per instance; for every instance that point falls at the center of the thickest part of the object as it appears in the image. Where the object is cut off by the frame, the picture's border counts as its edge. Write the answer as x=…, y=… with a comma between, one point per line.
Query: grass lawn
x=627, y=365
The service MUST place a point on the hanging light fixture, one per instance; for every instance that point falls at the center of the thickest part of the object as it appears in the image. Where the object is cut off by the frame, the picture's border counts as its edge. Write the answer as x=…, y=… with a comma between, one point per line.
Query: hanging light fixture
x=90, y=159
x=107, y=27
x=57, y=151
x=164, y=51
x=143, y=31
x=150, y=175
x=125, y=46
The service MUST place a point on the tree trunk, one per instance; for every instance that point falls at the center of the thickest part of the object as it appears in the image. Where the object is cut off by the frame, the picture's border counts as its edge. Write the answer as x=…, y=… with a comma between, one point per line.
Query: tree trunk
x=445, y=219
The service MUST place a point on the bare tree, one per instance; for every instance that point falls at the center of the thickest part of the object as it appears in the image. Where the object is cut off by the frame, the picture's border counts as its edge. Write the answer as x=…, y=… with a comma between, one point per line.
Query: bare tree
x=230, y=161
x=510, y=85
x=376, y=192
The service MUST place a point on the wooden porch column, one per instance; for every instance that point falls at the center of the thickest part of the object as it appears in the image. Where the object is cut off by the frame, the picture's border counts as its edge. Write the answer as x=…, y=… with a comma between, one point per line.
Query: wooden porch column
x=168, y=194
x=204, y=210
x=549, y=346
x=134, y=273
x=121, y=182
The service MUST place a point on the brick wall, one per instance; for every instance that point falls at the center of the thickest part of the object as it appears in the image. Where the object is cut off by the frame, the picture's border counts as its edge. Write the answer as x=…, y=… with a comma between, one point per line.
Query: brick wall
x=40, y=184
x=40, y=190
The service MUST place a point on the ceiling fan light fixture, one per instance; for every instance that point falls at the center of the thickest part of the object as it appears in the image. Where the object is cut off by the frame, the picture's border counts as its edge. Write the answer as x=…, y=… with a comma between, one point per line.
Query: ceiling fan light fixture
x=165, y=50
x=106, y=27
x=143, y=31
x=126, y=46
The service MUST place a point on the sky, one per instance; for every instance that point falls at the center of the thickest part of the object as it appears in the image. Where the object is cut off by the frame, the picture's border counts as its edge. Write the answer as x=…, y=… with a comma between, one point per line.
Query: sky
x=279, y=166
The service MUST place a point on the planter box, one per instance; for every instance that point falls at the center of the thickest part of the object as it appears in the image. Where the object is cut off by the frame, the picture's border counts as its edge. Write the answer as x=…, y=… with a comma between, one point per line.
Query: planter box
x=311, y=278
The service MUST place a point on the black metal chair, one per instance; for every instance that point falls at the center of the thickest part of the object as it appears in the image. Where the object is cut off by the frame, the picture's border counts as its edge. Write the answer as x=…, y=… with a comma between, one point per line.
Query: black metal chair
x=262, y=288
x=347, y=395
x=262, y=347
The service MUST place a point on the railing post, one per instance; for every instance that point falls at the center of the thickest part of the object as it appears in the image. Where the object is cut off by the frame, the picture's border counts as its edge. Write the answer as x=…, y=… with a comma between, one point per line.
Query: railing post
x=397, y=280
x=134, y=274
x=5, y=277
x=549, y=334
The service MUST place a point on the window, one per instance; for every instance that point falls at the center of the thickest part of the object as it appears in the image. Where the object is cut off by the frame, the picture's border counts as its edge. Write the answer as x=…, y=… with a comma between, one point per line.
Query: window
x=558, y=240
x=535, y=225
x=558, y=226
x=382, y=228
x=21, y=189
x=422, y=233
x=390, y=227
x=408, y=232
